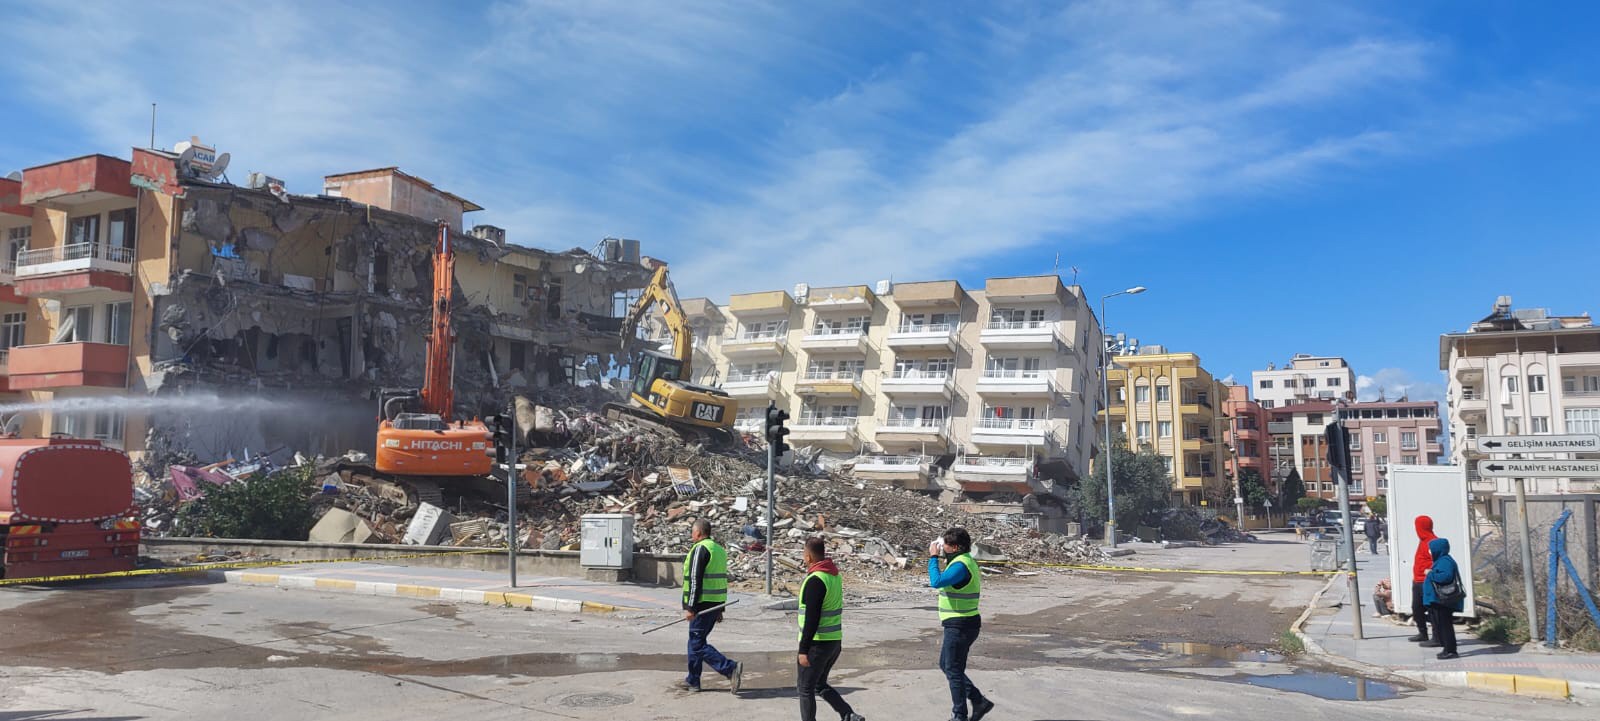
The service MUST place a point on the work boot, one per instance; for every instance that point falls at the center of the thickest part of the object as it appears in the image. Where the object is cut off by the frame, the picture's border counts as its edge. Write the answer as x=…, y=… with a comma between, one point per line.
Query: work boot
x=736, y=679
x=1417, y=638
x=981, y=708
x=1430, y=644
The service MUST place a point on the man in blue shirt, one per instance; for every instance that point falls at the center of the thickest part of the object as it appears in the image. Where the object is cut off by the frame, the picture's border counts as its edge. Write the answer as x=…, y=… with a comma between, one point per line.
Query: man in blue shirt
x=960, y=588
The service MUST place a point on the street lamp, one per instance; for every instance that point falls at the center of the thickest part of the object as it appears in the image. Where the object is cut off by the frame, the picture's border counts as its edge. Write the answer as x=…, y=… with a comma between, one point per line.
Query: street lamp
x=1105, y=387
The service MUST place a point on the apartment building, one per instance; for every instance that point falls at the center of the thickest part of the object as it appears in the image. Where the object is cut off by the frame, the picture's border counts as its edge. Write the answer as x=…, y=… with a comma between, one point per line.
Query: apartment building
x=930, y=385
x=1247, y=434
x=1521, y=372
x=1387, y=433
x=141, y=277
x=1176, y=408
x=1305, y=378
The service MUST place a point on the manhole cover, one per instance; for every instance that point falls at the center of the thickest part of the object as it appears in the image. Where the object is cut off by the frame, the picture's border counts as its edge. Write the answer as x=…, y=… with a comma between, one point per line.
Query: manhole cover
x=596, y=700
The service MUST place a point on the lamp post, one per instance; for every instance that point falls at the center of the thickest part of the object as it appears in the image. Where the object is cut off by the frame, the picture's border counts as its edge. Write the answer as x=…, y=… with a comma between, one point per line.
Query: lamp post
x=1105, y=387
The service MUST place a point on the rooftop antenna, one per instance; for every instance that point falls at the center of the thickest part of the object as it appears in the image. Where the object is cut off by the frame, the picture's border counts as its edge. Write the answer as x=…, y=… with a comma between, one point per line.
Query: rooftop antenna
x=152, y=126
x=1074, y=270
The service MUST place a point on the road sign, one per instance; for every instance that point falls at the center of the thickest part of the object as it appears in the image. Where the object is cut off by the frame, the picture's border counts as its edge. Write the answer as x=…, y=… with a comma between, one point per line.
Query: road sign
x=1519, y=468
x=1580, y=442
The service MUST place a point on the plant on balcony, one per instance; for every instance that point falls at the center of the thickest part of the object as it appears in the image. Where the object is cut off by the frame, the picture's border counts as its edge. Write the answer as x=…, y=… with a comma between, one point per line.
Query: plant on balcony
x=1143, y=486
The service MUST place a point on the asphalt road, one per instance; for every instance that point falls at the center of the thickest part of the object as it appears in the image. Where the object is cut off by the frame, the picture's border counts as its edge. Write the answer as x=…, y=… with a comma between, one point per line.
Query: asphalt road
x=1083, y=646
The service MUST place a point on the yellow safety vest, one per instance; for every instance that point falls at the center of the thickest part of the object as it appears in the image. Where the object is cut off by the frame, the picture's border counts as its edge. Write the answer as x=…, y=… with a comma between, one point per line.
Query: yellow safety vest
x=962, y=601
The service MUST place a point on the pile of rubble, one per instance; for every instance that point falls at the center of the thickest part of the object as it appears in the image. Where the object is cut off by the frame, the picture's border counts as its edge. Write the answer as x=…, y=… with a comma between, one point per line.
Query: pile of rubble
x=581, y=462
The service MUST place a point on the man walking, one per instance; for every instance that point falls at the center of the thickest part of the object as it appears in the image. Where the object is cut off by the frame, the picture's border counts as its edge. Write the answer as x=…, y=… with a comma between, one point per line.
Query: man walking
x=1373, y=528
x=821, y=633
x=960, y=587
x=705, y=584
x=1421, y=563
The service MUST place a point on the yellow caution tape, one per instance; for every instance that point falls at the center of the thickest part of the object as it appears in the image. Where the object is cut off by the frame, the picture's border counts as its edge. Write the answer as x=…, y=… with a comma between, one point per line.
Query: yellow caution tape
x=1140, y=569
x=233, y=565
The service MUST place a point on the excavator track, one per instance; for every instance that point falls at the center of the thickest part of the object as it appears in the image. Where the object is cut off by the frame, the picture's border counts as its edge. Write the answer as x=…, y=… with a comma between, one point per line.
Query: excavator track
x=709, y=437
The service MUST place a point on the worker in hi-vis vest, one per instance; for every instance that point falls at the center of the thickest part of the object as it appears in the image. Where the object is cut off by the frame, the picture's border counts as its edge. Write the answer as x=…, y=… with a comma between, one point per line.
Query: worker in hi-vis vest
x=821, y=633
x=960, y=586
x=705, y=584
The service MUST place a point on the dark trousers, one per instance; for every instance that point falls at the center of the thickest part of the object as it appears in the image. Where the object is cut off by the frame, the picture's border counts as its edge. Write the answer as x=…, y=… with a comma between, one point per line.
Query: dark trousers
x=701, y=650
x=812, y=681
x=1372, y=544
x=1419, y=612
x=953, y=662
x=1444, y=627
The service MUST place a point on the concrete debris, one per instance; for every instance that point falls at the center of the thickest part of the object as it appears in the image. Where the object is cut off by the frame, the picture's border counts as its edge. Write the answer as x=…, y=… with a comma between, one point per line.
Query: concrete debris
x=428, y=525
x=338, y=526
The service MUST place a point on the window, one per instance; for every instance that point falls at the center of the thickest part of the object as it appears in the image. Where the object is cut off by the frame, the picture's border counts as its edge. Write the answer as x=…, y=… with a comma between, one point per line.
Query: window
x=1580, y=384
x=1472, y=431
x=83, y=229
x=1380, y=437
x=1355, y=439
x=1335, y=382
x=119, y=323
x=1288, y=383
x=16, y=242
x=1163, y=394
x=1036, y=316
x=1164, y=429
x=1540, y=424
x=1511, y=384
x=1141, y=394
x=106, y=426
x=1311, y=383
x=519, y=286
x=519, y=355
x=13, y=330
x=1535, y=384
x=1583, y=420
x=76, y=325
x=1355, y=462
x=1409, y=460
x=380, y=271
x=1383, y=463
x=1268, y=404
x=763, y=329
x=1408, y=439
x=1166, y=461
x=1122, y=394
x=1266, y=384
x=1513, y=426
x=1144, y=431
x=935, y=415
x=1314, y=419
x=119, y=228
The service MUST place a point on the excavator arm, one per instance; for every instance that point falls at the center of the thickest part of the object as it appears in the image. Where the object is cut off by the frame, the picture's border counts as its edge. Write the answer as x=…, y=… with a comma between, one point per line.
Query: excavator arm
x=660, y=290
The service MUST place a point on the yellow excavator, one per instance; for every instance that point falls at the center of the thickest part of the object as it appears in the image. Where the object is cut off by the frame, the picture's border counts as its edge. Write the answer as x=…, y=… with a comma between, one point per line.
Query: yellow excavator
x=661, y=394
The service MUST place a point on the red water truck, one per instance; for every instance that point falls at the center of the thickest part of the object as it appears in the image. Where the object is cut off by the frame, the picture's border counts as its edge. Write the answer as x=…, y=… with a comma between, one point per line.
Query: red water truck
x=66, y=508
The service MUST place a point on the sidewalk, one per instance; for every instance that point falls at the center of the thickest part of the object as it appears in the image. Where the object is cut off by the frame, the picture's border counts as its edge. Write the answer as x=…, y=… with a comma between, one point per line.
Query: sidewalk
x=1524, y=670
x=539, y=593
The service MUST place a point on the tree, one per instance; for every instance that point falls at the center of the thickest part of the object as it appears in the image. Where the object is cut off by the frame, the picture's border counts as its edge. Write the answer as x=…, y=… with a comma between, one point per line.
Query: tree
x=1291, y=490
x=277, y=507
x=1379, y=505
x=1307, y=505
x=1253, y=487
x=1142, y=484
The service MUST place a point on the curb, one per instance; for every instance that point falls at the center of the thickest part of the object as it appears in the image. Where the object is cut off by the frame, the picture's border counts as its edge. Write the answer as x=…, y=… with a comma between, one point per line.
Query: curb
x=1504, y=683
x=404, y=590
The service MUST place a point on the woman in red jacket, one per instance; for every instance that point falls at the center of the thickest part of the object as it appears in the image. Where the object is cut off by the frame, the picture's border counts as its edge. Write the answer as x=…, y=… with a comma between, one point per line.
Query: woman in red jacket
x=1420, y=564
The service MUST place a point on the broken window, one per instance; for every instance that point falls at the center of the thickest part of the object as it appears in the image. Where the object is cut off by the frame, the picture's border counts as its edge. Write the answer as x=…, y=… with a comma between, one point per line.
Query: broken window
x=519, y=286
x=519, y=355
x=380, y=271
x=553, y=300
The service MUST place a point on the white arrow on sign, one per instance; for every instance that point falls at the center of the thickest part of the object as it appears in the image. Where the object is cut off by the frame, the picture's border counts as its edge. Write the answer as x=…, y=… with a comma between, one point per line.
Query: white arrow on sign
x=1575, y=443
x=1502, y=468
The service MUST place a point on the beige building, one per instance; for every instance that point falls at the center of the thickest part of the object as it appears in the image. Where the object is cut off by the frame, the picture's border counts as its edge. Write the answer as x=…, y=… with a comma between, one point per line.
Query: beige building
x=930, y=385
x=1176, y=409
x=1305, y=378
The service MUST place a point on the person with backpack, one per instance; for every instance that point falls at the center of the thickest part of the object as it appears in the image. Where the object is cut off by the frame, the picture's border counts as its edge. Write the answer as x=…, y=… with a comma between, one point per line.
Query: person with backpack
x=1444, y=593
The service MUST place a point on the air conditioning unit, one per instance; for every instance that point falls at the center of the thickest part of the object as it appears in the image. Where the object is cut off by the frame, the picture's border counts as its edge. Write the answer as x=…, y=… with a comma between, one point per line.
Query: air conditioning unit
x=885, y=287
x=801, y=291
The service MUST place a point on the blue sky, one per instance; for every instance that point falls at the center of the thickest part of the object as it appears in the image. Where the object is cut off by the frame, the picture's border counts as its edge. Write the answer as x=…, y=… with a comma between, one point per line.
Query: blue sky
x=1347, y=178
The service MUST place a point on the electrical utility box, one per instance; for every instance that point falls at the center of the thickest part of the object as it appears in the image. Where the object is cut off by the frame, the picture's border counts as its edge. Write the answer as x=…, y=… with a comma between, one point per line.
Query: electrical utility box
x=607, y=541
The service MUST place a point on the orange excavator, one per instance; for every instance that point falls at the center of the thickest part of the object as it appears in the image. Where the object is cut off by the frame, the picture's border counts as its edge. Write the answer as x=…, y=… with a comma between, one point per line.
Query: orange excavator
x=425, y=446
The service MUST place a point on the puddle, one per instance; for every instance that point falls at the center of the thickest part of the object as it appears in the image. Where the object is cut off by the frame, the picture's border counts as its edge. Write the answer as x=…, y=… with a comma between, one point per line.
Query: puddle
x=1325, y=685
x=1221, y=655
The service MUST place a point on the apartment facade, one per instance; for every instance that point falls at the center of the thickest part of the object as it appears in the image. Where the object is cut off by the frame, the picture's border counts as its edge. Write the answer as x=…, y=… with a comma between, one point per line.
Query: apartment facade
x=928, y=385
x=1247, y=434
x=1383, y=434
x=1169, y=403
x=1296, y=434
x=139, y=277
x=1304, y=379
x=1522, y=372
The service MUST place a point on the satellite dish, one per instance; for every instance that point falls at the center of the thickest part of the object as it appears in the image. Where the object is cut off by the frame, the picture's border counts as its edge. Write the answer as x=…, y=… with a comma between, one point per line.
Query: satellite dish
x=13, y=425
x=186, y=160
x=217, y=167
x=15, y=175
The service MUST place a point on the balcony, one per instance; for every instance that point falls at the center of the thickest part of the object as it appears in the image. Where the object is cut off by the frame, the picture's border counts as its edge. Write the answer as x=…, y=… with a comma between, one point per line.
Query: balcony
x=830, y=383
x=55, y=366
x=989, y=473
x=749, y=425
x=1472, y=404
x=838, y=340
x=1280, y=427
x=824, y=429
x=1036, y=334
x=770, y=303
x=75, y=268
x=841, y=298
x=912, y=430
x=1193, y=409
x=750, y=345
x=910, y=472
x=925, y=336
x=751, y=385
x=1015, y=383
x=87, y=179
x=1249, y=434
x=1011, y=431
x=918, y=383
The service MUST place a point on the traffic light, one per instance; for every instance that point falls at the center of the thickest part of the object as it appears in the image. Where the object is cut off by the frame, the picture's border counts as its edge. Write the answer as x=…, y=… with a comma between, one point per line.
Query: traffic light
x=500, y=426
x=1338, y=438
x=775, y=430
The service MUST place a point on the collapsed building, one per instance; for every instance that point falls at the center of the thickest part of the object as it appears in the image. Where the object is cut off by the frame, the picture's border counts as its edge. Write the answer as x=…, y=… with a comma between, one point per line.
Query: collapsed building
x=248, y=318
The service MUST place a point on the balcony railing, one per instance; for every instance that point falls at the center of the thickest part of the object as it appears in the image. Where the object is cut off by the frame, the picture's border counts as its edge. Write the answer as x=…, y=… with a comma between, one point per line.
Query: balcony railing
x=833, y=376
x=1012, y=373
x=912, y=461
x=1018, y=324
x=1020, y=424
x=920, y=374
x=989, y=462
x=828, y=421
x=828, y=331
x=1408, y=446
x=761, y=377
x=757, y=337
x=75, y=251
x=930, y=328
x=921, y=423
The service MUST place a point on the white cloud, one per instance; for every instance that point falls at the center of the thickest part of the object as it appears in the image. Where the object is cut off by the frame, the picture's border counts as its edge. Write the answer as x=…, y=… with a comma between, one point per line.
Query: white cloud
x=1394, y=383
x=756, y=145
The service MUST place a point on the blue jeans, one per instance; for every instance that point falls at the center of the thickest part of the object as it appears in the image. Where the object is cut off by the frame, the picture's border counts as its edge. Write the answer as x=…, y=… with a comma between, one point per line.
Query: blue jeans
x=953, y=662
x=701, y=650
